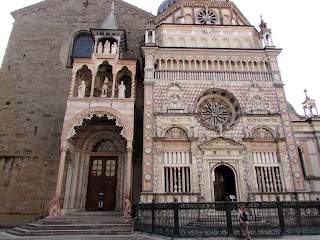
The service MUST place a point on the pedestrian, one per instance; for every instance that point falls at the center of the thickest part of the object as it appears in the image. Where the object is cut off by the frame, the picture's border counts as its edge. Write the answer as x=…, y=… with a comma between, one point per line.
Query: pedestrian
x=243, y=219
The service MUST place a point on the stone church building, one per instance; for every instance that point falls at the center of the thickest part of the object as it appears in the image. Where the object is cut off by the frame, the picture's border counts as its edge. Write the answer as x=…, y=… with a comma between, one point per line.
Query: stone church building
x=104, y=105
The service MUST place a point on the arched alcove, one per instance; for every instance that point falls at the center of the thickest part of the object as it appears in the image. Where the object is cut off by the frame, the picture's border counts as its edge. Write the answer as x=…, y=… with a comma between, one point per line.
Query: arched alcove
x=103, y=75
x=83, y=74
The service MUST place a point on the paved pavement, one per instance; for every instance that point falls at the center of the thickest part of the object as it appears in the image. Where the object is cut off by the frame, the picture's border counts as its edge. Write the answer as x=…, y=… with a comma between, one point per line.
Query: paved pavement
x=137, y=236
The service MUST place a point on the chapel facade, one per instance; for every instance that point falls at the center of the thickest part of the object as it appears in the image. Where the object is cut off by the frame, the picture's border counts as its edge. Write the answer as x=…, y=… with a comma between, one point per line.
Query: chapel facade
x=106, y=106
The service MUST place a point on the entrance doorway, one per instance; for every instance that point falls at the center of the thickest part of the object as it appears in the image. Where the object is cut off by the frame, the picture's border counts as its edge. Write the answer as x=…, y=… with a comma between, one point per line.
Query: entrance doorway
x=224, y=183
x=102, y=184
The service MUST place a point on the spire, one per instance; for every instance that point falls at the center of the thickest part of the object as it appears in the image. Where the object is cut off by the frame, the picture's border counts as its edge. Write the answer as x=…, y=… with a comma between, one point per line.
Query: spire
x=110, y=22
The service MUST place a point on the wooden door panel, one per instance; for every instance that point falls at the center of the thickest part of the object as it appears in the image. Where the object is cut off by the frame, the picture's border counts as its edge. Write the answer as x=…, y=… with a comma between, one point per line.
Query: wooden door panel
x=93, y=197
x=102, y=177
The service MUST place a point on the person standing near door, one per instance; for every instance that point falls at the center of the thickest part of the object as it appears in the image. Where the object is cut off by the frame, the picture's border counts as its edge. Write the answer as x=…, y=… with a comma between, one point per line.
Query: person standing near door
x=243, y=218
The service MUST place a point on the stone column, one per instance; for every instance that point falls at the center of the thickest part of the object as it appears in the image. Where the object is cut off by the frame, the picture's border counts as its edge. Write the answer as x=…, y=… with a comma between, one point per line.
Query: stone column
x=113, y=86
x=153, y=36
x=133, y=86
x=63, y=152
x=55, y=208
x=129, y=170
x=146, y=39
x=127, y=210
x=92, y=85
x=73, y=79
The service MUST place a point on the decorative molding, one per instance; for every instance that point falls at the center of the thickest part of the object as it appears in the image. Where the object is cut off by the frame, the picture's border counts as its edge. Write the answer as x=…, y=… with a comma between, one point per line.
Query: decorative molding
x=69, y=129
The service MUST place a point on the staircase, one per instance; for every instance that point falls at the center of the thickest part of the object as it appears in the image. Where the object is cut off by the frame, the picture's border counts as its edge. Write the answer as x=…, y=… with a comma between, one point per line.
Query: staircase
x=80, y=223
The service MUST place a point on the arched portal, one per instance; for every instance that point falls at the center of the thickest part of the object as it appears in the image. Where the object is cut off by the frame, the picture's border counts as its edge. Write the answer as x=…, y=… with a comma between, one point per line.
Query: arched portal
x=224, y=183
x=96, y=176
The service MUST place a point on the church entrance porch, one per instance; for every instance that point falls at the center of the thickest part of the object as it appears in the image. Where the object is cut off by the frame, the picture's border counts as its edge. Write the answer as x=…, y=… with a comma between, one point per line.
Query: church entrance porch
x=224, y=183
x=102, y=184
x=96, y=163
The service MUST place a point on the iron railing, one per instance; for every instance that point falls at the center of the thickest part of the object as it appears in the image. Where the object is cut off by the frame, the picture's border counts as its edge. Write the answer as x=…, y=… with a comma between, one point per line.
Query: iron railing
x=220, y=219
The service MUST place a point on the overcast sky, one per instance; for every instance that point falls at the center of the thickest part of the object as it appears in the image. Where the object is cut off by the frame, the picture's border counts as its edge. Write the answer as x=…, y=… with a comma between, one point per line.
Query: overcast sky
x=294, y=27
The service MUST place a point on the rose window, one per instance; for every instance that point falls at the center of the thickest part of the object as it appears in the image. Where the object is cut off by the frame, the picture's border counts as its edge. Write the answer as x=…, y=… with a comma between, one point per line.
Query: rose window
x=207, y=17
x=214, y=113
x=218, y=109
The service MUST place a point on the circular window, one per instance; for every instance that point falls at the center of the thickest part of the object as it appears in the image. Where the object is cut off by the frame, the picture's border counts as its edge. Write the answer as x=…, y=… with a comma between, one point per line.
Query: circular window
x=218, y=109
x=207, y=17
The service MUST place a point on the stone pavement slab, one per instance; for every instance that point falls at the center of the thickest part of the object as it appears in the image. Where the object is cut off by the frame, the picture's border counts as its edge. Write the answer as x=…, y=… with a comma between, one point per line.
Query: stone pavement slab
x=140, y=236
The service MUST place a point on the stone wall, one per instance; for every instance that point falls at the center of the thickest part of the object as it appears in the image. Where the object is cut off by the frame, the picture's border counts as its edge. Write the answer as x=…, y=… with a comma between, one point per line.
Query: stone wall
x=34, y=88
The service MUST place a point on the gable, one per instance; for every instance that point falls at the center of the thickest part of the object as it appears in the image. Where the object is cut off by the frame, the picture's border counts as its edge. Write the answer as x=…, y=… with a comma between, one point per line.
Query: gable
x=48, y=6
x=220, y=143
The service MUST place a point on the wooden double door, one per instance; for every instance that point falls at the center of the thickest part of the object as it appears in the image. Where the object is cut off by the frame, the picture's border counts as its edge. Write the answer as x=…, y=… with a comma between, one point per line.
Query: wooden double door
x=102, y=184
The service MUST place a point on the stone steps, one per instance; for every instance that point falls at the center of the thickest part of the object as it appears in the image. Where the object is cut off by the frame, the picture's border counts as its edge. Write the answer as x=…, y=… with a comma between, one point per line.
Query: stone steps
x=83, y=223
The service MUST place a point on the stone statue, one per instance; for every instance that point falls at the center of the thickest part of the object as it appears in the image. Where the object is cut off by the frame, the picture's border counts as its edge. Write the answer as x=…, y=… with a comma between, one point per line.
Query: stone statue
x=114, y=48
x=280, y=132
x=82, y=89
x=246, y=132
x=104, y=91
x=122, y=90
x=55, y=208
x=100, y=47
x=106, y=49
x=127, y=209
x=159, y=131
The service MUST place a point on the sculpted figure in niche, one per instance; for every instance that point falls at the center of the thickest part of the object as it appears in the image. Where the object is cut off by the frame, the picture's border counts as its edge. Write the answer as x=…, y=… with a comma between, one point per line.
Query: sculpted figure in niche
x=104, y=91
x=174, y=101
x=100, y=47
x=257, y=102
x=122, y=90
x=114, y=48
x=106, y=49
x=246, y=132
x=82, y=89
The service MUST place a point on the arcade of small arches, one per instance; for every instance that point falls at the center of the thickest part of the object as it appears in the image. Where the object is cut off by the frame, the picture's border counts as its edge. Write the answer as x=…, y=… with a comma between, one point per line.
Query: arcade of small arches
x=208, y=63
x=207, y=42
x=103, y=83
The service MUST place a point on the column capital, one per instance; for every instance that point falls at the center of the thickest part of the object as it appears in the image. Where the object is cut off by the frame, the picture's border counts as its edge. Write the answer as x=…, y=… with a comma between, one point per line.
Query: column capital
x=63, y=145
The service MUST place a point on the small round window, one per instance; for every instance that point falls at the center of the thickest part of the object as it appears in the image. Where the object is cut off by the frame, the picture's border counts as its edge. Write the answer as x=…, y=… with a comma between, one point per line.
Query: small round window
x=207, y=17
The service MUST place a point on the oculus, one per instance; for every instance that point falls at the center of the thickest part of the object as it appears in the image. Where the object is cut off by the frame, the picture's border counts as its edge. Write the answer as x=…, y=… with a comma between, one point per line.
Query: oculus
x=207, y=17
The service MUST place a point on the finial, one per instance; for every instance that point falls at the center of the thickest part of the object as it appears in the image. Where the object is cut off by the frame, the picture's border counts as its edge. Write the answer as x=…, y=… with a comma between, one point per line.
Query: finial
x=112, y=6
x=262, y=24
x=305, y=91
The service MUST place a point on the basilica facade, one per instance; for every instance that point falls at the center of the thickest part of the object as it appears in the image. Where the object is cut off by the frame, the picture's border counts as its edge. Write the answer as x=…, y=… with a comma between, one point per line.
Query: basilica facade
x=105, y=105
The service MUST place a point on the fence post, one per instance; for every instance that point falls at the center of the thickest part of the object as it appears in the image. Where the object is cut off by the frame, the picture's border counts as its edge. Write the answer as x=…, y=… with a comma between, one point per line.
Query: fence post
x=281, y=217
x=152, y=212
x=176, y=217
x=229, y=218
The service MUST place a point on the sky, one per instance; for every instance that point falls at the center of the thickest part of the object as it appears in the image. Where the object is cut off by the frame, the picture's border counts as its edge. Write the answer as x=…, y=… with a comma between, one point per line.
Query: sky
x=294, y=29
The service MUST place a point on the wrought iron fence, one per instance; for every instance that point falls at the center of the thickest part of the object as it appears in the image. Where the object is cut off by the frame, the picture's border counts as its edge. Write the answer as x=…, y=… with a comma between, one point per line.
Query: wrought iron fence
x=220, y=219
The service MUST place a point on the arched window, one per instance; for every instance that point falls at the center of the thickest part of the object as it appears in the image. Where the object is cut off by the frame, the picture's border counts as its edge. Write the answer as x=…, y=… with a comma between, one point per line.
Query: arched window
x=82, y=46
x=302, y=161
